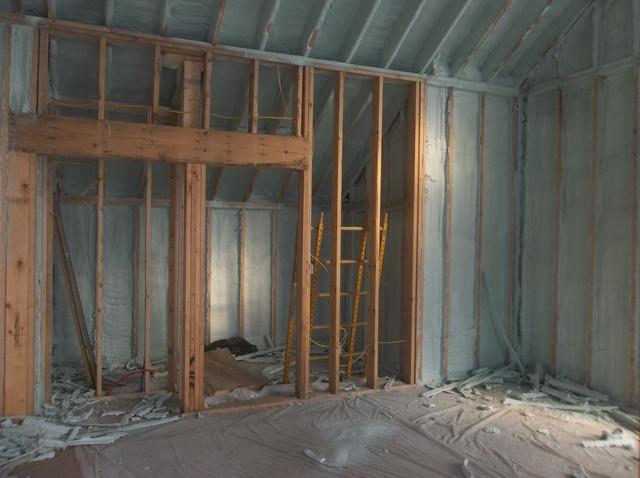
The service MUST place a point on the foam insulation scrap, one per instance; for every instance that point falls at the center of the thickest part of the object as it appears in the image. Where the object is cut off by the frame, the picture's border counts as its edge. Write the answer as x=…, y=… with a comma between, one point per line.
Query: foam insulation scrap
x=71, y=420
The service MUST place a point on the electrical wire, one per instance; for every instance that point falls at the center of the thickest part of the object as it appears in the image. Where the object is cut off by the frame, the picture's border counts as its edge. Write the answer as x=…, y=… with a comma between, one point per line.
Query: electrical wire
x=343, y=340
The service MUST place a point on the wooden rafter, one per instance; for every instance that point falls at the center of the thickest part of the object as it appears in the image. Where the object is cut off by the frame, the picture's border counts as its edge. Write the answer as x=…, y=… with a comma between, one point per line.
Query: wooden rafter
x=445, y=28
x=459, y=62
x=214, y=34
x=403, y=26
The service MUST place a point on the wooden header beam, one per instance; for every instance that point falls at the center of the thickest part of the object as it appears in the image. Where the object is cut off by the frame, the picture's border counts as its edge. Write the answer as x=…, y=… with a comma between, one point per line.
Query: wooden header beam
x=89, y=138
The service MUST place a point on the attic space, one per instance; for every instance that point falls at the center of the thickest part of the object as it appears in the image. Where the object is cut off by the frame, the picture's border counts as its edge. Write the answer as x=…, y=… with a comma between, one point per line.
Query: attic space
x=319, y=237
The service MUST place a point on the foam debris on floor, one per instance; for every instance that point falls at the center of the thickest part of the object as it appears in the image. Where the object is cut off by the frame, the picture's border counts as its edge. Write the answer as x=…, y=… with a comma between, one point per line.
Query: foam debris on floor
x=74, y=418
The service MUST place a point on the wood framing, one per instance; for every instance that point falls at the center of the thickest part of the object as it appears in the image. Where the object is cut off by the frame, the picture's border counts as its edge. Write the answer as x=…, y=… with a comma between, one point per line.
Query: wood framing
x=189, y=147
x=512, y=177
x=304, y=252
x=4, y=168
x=194, y=253
x=477, y=291
x=373, y=217
x=148, y=225
x=254, y=80
x=336, y=234
x=100, y=224
x=176, y=277
x=241, y=257
x=99, y=276
x=19, y=324
x=274, y=277
x=632, y=375
x=194, y=280
x=412, y=232
x=448, y=220
x=595, y=94
x=556, y=232
x=87, y=138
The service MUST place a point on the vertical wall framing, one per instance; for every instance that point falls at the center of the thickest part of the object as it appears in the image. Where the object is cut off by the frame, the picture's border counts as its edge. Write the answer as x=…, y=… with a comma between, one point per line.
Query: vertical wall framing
x=479, y=230
x=304, y=252
x=413, y=234
x=187, y=297
x=4, y=172
x=448, y=235
x=336, y=234
x=556, y=232
x=373, y=217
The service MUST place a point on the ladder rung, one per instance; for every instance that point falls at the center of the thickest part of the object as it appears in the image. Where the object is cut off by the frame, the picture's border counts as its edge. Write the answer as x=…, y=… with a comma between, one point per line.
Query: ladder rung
x=342, y=294
x=326, y=357
x=346, y=261
x=343, y=326
x=355, y=228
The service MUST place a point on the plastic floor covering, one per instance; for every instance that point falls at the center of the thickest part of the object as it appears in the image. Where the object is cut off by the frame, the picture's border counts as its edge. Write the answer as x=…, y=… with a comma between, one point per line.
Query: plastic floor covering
x=387, y=434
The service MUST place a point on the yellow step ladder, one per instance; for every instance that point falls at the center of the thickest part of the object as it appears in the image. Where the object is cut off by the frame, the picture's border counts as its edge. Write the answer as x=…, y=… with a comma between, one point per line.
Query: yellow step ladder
x=351, y=355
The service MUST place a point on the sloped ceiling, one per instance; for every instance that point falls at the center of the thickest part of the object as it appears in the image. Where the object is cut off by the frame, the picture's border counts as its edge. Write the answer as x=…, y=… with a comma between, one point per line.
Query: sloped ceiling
x=492, y=41
x=496, y=41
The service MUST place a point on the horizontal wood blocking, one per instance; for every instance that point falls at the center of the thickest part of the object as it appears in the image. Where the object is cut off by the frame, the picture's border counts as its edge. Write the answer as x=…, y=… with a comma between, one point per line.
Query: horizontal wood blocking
x=58, y=136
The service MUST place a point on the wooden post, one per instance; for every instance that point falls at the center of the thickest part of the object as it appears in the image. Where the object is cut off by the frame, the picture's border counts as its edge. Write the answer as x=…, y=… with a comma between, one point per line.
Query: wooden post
x=633, y=256
x=254, y=81
x=100, y=223
x=417, y=341
x=155, y=100
x=176, y=276
x=192, y=388
x=336, y=234
x=513, y=212
x=298, y=100
x=477, y=292
x=595, y=90
x=274, y=276
x=148, y=192
x=412, y=232
x=206, y=91
x=208, y=269
x=373, y=217
x=448, y=220
x=43, y=73
x=241, y=256
x=99, y=275
x=193, y=317
x=4, y=175
x=135, y=329
x=304, y=256
x=556, y=233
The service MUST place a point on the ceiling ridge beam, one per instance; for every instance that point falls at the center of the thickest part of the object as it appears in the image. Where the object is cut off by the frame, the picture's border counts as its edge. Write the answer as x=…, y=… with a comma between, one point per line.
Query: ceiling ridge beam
x=314, y=25
x=402, y=27
x=441, y=34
